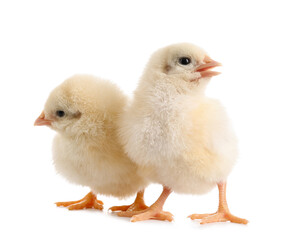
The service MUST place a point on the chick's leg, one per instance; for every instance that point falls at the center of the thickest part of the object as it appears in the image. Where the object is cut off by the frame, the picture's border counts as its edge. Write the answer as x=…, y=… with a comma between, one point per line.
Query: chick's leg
x=138, y=204
x=223, y=214
x=155, y=211
x=89, y=201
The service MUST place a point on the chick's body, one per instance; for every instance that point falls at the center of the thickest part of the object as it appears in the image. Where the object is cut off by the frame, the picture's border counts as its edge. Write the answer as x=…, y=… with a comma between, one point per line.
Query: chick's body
x=83, y=163
x=84, y=111
x=184, y=141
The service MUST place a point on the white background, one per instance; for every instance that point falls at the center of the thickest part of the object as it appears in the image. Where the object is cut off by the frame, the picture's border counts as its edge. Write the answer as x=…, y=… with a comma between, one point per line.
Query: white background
x=44, y=42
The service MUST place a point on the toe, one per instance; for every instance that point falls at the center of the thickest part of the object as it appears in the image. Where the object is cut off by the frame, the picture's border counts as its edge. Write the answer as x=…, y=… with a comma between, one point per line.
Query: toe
x=235, y=219
x=213, y=218
x=165, y=216
x=149, y=215
x=98, y=206
x=200, y=216
x=100, y=202
x=119, y=208
x=65, y=204
x=77, y=206
x=128, y=213
x=141, y=217
x=222, y=217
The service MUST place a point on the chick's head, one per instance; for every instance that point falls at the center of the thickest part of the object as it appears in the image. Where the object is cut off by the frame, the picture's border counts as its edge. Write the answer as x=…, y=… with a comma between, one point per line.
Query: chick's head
x=183, y=61
x=82, y=105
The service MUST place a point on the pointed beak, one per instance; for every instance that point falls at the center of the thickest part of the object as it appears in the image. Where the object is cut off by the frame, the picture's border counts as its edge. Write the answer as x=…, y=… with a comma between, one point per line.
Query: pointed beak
x=42, y=121
x=204, y=69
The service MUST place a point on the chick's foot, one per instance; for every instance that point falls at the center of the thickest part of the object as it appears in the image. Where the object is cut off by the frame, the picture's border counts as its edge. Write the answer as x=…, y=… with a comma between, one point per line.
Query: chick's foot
x=223, y=214
x=138, y=205
x=89, y=201
x=151, y=213
x=154, y=212
x=218, y=217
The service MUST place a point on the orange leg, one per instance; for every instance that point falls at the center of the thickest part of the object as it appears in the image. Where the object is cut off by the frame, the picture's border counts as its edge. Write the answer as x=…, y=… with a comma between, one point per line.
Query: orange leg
x=155, y=211
x=223, y=214
x=138, y=204
x=89, y=201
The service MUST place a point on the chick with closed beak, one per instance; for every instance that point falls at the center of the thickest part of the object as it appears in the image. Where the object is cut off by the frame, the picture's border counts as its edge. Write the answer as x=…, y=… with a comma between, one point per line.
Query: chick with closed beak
x=84, y=111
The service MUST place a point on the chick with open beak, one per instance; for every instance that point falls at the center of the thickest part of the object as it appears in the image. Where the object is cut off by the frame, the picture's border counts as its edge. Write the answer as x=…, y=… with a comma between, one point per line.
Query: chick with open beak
x=205, y=68
x=180, y=135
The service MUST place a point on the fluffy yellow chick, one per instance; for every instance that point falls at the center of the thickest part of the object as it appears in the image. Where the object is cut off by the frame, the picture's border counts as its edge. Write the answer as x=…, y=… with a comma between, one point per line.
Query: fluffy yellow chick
x=181, y=138
x=84, y=111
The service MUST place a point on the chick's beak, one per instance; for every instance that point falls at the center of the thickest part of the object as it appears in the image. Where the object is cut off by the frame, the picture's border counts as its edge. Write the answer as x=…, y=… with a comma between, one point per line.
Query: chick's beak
x=204, y=69
x=42, y=121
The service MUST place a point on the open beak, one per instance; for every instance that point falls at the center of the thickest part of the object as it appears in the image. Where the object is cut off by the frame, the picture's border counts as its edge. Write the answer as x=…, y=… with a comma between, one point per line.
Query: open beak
x=204, y=69
x=42, y=121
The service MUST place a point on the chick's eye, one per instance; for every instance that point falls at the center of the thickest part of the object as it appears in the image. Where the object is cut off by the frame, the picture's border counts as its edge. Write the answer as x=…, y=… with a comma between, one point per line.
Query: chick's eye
x=184, y=60
x=60, y=113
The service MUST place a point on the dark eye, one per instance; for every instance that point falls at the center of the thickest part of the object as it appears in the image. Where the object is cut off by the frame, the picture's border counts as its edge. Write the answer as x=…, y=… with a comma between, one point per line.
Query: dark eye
x=60, y=113
x=184, y=60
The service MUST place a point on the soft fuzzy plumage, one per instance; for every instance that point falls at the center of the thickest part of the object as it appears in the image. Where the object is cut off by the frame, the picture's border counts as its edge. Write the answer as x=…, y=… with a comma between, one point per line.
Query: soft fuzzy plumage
x=182, y=138
x=86, y=150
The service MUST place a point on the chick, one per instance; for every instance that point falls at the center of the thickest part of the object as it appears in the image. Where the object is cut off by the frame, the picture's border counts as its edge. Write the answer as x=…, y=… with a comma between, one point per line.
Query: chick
x=84, y=111
x=181, y=138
